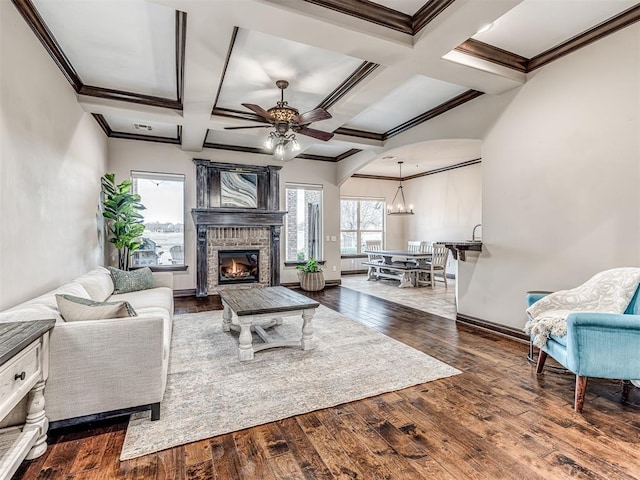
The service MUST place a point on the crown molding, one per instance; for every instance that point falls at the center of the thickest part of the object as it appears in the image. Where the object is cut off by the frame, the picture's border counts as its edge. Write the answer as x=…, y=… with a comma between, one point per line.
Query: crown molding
x=109, y=132
x=493, y=54
x=418, y=175
x=624, y=19
x=351, y=81
x=427, y=13
x=42, y=32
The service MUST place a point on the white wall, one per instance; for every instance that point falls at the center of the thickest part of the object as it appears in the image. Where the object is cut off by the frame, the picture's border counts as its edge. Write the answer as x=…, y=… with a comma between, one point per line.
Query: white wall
x=560, y=180
x=447, y=204
x=52, y=155
x=127, y=155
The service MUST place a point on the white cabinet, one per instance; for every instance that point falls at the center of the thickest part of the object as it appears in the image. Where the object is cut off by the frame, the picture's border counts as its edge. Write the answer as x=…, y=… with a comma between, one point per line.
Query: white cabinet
x=24, y=368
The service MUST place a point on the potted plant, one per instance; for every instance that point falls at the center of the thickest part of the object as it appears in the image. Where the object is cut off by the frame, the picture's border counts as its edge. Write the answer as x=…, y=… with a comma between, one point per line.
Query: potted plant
x=311, y=276
x=124, y=223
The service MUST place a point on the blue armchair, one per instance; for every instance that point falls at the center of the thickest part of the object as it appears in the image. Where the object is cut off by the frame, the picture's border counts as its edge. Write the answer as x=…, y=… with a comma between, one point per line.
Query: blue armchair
x=598, y=345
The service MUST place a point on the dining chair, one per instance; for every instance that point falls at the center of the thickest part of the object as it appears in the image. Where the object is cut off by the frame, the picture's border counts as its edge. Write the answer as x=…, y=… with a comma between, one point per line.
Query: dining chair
x=438, y=264
x=373, y=245
x=413, y=246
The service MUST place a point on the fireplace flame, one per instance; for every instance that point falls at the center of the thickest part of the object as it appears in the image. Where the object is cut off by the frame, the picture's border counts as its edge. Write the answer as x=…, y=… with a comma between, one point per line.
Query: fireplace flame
x=234, y=268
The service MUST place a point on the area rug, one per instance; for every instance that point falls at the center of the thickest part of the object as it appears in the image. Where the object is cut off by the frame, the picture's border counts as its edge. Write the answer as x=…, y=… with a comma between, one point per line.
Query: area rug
x=210, y=392
x=440, y=301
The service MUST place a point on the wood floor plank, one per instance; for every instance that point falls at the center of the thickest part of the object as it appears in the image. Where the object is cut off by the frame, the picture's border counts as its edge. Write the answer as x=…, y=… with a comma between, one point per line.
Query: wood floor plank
x=332, y=454
x=366, y=461
x=253, y=460
x=226, y=463
x=303, y=451
x=171, y=464
x=285, y=467
x=197, y=452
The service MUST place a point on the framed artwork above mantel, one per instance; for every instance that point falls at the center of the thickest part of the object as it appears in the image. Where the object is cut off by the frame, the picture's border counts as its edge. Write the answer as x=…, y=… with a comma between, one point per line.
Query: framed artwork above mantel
x=230, y=185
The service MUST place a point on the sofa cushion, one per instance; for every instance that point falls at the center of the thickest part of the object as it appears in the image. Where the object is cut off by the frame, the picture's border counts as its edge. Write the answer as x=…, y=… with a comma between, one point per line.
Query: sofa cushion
x=45, y=304
x=133, y=281
x=30, y=312
x=97, y=283
x=77, y=308
x=154, y=297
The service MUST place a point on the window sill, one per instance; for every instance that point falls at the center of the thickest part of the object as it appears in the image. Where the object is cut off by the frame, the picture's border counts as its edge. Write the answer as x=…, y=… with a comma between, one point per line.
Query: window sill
x=163, y=268
x=295, y=264
x=360, y=255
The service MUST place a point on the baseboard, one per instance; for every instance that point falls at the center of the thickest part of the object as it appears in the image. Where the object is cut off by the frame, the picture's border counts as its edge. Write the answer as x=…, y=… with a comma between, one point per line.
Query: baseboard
x=353, y=272
x=510, y=332
x=189, y=292
x=327, y=284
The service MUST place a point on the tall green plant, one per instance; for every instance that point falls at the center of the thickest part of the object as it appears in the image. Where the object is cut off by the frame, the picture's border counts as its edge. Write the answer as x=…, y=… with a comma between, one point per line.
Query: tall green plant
x=121, y=209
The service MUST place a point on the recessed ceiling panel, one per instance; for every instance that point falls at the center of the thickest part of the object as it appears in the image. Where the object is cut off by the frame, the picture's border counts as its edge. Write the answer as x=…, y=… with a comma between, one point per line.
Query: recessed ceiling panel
x=258, y=60
x=410, y=7
x=327, y=150
x=535, y=26
x=414, y=97
x=128, y=46
x=141, y=127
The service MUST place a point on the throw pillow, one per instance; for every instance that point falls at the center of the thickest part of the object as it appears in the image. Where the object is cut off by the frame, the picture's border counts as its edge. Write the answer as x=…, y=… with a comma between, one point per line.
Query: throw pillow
x=125, y=282
x=77, y=308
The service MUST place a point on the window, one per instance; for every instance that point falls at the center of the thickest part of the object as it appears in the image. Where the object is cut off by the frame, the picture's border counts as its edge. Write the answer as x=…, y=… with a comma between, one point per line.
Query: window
x=303, y=222
x=163, y=240
x=361, y=219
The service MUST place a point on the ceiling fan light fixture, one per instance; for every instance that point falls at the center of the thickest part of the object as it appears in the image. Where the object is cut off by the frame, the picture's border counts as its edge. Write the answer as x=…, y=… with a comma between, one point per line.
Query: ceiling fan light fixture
x=282, y=113
x=402, y=203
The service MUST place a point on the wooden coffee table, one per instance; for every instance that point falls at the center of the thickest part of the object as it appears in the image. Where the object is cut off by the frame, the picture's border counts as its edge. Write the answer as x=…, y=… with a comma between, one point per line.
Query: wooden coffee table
x=260, y=308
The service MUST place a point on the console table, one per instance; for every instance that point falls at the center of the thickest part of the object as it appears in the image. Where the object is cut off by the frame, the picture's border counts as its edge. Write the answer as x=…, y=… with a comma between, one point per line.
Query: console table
x=24, y=368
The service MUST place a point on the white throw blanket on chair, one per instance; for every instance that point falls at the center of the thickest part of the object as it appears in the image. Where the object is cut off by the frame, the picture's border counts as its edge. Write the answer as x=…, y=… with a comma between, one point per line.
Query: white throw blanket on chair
x=606, y=292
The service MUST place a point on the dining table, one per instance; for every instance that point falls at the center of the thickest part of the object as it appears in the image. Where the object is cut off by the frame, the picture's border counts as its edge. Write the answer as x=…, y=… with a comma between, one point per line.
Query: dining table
x=403, y=265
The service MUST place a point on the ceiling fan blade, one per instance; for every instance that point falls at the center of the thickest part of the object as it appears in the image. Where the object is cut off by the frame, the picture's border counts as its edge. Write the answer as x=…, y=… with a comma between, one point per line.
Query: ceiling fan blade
x=253, y=126
x=259, y=110
x=314, y=115
x=312, y=132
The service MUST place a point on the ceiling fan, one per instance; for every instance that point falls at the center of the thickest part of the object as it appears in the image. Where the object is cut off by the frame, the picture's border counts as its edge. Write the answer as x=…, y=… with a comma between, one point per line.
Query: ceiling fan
x=284, y=118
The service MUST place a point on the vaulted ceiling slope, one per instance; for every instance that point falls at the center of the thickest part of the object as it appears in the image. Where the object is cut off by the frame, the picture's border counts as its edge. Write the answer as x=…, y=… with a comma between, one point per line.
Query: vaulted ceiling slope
x=179, y=71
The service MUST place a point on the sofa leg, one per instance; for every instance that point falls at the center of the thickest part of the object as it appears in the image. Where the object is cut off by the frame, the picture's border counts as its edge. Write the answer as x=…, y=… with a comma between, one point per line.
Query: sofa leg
x=155, y=411
x=581, y=388
x=542, y=357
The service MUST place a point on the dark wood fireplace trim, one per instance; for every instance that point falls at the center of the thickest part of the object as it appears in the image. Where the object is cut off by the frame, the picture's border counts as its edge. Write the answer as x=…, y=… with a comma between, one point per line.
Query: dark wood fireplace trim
x=205, y=216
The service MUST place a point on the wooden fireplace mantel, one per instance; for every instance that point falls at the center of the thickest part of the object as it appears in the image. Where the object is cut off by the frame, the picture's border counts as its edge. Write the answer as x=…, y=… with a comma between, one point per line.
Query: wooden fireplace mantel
x=237, y=217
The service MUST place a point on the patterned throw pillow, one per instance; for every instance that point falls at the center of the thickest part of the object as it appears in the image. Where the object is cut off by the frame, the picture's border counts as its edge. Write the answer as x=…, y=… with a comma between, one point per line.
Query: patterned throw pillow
x=125, y=282
x=77, y=308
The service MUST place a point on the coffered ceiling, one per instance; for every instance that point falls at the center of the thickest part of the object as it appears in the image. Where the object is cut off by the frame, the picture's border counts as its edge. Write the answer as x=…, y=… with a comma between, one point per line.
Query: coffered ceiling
x=178, y=71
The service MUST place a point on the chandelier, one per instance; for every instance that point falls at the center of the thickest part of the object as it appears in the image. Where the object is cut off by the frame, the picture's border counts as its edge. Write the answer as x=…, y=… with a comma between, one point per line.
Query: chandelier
x=401, y=205
x=282, y=142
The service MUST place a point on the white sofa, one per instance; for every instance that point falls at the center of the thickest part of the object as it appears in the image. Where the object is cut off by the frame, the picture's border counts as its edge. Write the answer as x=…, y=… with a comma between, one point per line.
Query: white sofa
x=100, y=366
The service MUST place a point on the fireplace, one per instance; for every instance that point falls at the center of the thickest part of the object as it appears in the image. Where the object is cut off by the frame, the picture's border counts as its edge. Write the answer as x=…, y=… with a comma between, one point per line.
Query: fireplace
x=223, y=229
x=238, y=266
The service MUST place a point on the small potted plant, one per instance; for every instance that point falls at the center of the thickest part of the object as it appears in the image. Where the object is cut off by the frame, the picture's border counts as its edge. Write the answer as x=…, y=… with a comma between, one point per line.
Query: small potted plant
x=311, y=276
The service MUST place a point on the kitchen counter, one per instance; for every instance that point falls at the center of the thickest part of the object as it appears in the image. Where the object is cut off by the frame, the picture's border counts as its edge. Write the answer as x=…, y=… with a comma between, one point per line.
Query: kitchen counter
x=459, y=249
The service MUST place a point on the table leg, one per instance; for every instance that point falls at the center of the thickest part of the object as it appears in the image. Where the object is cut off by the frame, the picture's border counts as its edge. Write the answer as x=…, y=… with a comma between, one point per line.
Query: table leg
x=307, y=341
x=405, y=280
x=371, y=274
x=245, y=345
x=227, y=314
x=36, y=419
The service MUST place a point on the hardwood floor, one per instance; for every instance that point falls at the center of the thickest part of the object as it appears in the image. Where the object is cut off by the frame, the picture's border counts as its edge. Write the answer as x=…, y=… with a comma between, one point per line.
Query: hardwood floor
x=496, y=420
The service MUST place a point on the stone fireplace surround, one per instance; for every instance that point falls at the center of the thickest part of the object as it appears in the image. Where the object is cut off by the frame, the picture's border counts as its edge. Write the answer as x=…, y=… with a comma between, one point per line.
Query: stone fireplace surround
x=223, y=228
